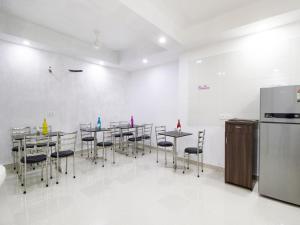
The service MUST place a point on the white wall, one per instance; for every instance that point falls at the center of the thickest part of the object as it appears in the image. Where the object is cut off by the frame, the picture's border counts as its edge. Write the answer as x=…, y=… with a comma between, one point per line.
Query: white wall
x=29, y=92
x=267, y=59
x=153, y=93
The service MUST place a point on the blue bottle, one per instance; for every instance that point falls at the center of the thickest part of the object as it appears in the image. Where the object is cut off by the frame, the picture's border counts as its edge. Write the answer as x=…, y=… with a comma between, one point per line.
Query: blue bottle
x=99, y=123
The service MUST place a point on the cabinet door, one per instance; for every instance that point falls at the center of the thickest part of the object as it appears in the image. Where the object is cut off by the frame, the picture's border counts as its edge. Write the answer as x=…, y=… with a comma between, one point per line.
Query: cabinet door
x=238, y=151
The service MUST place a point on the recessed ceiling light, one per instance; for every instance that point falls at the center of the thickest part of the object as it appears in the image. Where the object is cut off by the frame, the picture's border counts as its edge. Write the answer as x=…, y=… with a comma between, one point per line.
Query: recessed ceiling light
x=199, y=61
x=25, y=42
x=162, y=40
x=145, y=61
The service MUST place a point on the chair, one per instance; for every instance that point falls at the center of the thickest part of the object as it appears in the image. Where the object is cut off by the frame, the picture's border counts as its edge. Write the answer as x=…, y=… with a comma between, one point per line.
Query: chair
x=86, y=138
x=17, y=137
x=127, y=132
x=106, y=141
x=138, y=137
x=161, y=141
x=119, y=134
x=195, y=151
x=148, y=134
x=66, y=150
x=51, y=143
x=34, y=156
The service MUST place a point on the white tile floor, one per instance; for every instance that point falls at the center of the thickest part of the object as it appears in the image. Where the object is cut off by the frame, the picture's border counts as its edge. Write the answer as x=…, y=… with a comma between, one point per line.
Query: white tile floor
x=138, y=191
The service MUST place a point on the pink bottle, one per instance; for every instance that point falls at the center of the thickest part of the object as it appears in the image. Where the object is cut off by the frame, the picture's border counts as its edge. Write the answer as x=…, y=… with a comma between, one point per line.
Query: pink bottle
x=131, y=122
x=178, y=126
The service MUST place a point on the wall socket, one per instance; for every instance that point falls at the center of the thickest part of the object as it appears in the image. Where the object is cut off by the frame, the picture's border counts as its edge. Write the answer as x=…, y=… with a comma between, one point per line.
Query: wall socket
x=50, y=114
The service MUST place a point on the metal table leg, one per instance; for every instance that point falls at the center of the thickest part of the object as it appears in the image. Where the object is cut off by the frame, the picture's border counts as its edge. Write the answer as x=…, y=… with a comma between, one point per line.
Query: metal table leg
x=175, y=153
x=95, y=146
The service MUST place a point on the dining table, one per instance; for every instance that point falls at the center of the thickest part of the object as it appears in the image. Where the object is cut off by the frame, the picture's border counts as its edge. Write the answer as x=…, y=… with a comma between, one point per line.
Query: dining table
x=129, y=127
x=95, y=131
x=175, y=135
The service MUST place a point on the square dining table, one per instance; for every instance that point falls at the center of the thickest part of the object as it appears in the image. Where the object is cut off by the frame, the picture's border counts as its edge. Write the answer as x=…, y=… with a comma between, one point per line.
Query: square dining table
x=135, y=127
x=96, y=130
x=175, y=134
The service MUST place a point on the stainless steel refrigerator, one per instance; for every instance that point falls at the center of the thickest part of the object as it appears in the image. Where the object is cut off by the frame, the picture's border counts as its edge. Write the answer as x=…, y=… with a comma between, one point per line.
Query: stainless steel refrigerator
x=279, y=172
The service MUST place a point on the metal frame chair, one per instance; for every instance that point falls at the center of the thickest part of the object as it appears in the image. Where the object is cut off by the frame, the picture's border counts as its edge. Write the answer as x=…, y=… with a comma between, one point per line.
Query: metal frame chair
x=106, y=141
x=67, y=149
x=161, y=141
x=195, y=151
x=119, y=134
x=36, y=155
x=148, y=134
x=86, y=138
x=115, y=133
x=138, y=137
x=17, y=139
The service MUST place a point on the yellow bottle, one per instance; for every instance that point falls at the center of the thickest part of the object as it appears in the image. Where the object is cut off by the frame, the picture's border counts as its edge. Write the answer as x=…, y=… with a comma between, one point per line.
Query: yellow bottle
x=45, y=128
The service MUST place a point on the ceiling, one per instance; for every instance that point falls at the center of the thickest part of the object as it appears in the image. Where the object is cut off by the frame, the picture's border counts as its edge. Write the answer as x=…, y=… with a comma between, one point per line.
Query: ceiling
x=191, y=12
x=129, y=29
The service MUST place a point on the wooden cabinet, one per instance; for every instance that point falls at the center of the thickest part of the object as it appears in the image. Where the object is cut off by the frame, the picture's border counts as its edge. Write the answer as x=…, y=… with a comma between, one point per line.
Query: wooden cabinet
x=240, y=152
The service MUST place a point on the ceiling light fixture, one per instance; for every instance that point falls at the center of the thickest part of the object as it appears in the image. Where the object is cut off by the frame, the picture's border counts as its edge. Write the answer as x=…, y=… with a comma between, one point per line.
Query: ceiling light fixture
x=97, y=43
x=162, y=40
x=25, y=42
x=145, y=61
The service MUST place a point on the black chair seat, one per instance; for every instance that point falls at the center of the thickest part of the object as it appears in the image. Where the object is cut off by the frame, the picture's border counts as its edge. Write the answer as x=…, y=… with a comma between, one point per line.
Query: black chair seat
x=117, y=135
x=30, y=146
x=192, y=150
x=127, y=134
x=165, y=144
x=52, y=144
x=16, y=148
x=88, y=139
x=105, y=144
x=34, y=159
x=146, y=136
x=62, y=154
x=40, y=145
x=133, y=139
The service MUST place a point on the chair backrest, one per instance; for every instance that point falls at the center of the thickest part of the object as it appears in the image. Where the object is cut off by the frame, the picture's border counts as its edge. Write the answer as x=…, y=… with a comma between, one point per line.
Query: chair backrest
x=20, y=131
x=139, y=131
x=113, y=124
x=159, y=137
x=85, y=126
x=33, y=139
x=118, y=123
x=148, y=129
x=68, y=141
x=15, y=132
x=123, y=123
x=106, y=136
x=201, y=136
